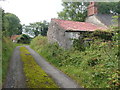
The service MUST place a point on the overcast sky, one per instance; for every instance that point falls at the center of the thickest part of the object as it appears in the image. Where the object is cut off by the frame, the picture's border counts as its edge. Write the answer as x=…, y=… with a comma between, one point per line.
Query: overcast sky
x=30, y=11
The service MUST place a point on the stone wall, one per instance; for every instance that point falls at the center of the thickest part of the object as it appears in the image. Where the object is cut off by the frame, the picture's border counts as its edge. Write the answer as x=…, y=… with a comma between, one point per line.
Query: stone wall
x=70, y=36
x=107, y=19
x=93, y=19
x=104, y=20
x=51, y=34
x=57, y=34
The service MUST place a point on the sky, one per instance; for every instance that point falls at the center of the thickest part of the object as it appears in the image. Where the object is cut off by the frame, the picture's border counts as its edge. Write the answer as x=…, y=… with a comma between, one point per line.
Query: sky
x=29, y=11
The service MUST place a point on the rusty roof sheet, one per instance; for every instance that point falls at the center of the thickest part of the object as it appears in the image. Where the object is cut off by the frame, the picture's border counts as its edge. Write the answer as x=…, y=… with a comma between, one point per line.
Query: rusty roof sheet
x=77, y=26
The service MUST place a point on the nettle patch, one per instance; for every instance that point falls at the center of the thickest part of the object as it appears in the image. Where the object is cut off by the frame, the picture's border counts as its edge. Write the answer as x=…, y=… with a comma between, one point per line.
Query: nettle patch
x=35, y=76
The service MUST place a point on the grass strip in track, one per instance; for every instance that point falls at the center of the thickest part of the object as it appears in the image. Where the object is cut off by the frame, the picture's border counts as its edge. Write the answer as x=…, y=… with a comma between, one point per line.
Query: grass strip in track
x=35, y=76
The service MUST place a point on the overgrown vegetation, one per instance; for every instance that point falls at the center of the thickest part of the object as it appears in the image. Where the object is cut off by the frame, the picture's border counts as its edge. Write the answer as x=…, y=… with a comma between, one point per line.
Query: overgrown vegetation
x=7, y=49
x=35, y=76
x=11, y=24
x=24, y=39
x=89, y=37
x=94, y=67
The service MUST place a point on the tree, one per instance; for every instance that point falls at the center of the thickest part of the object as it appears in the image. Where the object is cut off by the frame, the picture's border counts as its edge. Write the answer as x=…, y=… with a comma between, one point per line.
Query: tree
x=118, y=8
x=75, y=11
x=108, y=7
x=37, y=28
x=11, y=24
x=44, y=28
x=2, y=17
x=1, y=12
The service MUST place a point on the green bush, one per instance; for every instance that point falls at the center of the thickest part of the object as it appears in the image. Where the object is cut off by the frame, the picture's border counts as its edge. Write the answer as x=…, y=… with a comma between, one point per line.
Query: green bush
x=88, y=37
x=25, y=39
x=94, y=67
x=104, y=35
x=78, y=44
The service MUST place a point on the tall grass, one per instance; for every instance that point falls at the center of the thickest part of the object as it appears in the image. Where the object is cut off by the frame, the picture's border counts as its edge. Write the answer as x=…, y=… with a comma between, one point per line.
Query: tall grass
x=7, y=49
x=96, y=67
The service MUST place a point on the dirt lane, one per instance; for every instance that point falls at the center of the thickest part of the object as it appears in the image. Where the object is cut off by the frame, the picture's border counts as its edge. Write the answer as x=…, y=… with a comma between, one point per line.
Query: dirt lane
x=60, y=78
x=15, y=77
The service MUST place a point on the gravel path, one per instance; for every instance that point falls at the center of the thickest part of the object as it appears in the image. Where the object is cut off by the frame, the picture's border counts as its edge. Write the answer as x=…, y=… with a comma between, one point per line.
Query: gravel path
x=60, y=78
x=15, y=77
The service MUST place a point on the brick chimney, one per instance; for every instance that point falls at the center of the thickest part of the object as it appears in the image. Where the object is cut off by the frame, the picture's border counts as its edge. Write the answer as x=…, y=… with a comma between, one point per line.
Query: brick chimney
x=92, y=9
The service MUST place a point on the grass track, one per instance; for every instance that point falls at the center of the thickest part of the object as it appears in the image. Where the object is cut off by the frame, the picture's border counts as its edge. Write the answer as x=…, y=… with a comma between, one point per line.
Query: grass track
x=35, y=76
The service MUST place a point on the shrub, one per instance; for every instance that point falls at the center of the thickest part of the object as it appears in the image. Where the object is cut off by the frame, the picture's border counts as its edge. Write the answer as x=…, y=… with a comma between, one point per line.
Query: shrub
x=88, y=37
x=25, y=39
x=94, y=67
x=78, y=44
x=104, y=35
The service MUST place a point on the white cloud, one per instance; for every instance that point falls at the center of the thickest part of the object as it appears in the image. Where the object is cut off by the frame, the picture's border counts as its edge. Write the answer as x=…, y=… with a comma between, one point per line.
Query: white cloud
x=33, y=10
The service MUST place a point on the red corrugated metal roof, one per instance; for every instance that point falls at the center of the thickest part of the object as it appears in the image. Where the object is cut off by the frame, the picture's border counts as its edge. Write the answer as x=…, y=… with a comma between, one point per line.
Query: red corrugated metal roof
x=14, y=37
x=77, y=26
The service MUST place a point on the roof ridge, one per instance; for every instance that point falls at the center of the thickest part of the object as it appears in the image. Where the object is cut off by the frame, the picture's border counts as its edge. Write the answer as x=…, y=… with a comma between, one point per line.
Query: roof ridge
x=70, y=21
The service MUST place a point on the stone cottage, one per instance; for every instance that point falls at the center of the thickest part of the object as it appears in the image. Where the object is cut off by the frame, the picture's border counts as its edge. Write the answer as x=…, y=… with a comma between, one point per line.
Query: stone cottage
x=14, y=38
x=62, y=31
x=103, y=20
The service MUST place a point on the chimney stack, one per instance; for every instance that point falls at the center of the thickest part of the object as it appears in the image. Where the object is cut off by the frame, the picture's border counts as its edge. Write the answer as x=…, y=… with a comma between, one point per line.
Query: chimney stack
x=92, y=9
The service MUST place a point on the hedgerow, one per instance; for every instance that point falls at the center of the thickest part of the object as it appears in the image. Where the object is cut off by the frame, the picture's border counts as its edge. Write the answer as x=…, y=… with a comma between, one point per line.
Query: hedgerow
x=7, y=50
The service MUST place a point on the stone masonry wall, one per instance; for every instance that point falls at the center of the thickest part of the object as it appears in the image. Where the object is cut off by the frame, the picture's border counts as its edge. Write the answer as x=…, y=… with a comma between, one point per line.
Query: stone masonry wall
x=57, y=34
x=70, y=36
x=93, y=19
